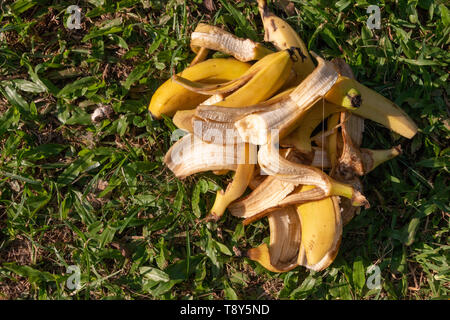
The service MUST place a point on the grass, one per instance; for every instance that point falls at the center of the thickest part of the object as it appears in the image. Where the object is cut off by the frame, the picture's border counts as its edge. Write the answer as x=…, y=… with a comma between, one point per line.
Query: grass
x=99, y=197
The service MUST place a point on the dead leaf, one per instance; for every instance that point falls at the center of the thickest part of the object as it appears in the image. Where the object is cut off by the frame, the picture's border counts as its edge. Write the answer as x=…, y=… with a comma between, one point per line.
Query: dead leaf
x=209, y=5
x=287, y=6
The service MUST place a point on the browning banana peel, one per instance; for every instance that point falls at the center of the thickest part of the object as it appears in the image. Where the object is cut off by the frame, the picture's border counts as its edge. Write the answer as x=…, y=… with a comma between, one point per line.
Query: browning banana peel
x=215, y=38
x=281, y=34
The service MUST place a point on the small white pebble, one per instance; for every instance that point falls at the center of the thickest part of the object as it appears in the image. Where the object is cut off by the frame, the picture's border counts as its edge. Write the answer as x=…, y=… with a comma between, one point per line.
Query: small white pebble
x=100, y=113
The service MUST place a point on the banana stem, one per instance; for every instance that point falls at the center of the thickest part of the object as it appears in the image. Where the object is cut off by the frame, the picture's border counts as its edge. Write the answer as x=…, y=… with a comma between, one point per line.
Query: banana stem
x=347, y=191
x=341, y=189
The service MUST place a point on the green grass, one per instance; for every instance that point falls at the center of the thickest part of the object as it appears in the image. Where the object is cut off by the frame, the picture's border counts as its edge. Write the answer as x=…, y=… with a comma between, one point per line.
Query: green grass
x=99, y=196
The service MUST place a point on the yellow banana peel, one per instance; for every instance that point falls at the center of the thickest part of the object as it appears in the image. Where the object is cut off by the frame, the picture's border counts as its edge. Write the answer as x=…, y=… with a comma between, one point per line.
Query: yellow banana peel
x=171, y=97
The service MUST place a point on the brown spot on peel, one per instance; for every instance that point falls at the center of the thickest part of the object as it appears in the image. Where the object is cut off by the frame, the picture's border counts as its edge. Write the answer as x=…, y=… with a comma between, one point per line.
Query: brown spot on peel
x=274, y=27
x=302, y=56
x=356, y=101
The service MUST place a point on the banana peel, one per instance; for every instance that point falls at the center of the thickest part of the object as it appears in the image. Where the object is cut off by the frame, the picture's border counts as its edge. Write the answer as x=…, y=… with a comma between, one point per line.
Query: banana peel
x=332, y=149
x=171, y=97
x=274, y=67
x=200, y=56
x=237, y=109
x=300, y=138
x=321, y=225
x=191, y=155
x=257, y=178
x=377, y=108
x=215, y=38
x=235, y=189
x=371, y=158
x=183, y=120
x=263, y=199
x=261, y=254
x=271, y=72
x=213, y=89
x=283, y=36
x=350, y=164
x=285, y=235
x=299, y=174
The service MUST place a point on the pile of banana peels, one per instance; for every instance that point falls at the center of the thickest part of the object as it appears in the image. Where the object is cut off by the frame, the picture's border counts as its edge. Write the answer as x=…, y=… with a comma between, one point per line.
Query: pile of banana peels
x=258, y=119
